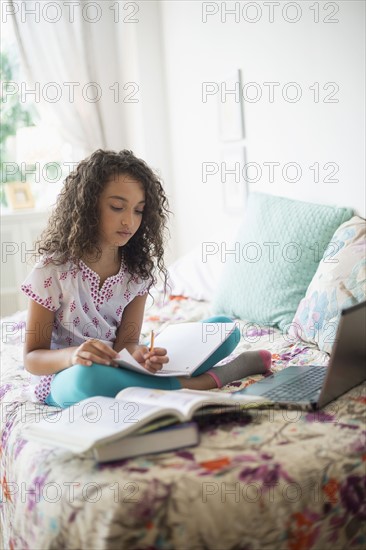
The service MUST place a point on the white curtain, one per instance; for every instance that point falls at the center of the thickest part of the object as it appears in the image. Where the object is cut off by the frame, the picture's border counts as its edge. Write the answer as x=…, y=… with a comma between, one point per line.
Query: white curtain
x=81, y=63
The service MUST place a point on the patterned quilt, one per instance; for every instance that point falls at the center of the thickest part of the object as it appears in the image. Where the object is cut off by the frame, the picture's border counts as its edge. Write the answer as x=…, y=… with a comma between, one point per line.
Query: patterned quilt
x=268, y=479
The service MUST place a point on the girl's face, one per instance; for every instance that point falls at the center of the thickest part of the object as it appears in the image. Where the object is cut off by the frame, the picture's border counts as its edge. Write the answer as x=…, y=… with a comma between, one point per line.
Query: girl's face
x=121, y=206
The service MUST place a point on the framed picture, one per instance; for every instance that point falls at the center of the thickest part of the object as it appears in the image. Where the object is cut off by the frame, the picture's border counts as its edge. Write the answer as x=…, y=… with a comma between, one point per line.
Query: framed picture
x=234, y=184
x=231, y=116
x=19, y=195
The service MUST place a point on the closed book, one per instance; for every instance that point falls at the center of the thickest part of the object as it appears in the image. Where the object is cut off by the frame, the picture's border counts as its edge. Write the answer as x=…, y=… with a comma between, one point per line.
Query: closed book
x=168, y=438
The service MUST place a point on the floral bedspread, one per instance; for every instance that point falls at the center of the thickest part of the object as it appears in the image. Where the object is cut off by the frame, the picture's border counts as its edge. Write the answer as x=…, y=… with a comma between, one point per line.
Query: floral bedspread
x=269, y=479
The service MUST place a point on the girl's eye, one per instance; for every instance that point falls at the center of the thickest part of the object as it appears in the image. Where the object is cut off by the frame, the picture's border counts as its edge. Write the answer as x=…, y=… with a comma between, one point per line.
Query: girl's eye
x=116, y=208
x=139, y=212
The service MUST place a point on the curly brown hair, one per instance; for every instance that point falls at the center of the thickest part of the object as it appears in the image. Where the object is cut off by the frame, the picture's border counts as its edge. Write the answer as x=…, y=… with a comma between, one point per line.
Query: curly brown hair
x=72, y=230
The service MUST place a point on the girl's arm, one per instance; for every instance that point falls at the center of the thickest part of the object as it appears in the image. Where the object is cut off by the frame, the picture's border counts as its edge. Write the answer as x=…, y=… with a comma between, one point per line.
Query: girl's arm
x=128, y=333
x=128, y=336
x=39, y=359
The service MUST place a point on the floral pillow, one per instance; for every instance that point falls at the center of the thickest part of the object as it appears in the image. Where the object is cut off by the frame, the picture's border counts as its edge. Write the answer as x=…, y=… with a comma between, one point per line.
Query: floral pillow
x=339, y=282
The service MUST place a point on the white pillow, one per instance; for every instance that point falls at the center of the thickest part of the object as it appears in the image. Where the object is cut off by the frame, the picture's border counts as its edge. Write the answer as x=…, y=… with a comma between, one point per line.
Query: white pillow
x=196, y=274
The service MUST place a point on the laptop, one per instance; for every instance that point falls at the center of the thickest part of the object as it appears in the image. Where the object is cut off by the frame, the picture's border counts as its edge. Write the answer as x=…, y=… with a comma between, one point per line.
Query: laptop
x=313, y=386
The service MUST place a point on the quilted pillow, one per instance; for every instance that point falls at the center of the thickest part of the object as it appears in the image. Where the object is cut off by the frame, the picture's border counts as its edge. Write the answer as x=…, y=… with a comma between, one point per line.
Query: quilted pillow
x=339, y=282
x=276, y=253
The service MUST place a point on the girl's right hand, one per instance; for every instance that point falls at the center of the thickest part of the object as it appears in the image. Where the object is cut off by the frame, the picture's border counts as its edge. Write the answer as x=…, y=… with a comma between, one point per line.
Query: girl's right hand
x=94, y=351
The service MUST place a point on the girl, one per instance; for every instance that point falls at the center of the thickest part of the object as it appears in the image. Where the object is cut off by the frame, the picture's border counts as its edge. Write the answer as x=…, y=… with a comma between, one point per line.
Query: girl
x=88, y=292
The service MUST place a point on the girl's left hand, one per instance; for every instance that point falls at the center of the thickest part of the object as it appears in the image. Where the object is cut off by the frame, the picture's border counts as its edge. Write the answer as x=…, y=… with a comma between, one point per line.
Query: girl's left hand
x=152, y=361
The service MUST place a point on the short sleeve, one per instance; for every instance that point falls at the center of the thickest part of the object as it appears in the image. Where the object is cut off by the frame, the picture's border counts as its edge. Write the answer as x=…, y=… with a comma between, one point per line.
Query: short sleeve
x=137, y=287
x=43, y=285
x=143, y=286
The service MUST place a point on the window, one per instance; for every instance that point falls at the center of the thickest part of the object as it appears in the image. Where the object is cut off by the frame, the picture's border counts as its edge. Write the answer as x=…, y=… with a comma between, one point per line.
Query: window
x=32, y=151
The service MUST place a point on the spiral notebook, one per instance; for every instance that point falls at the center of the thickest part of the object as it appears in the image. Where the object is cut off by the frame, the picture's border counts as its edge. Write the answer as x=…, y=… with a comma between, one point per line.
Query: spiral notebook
x=188, y=345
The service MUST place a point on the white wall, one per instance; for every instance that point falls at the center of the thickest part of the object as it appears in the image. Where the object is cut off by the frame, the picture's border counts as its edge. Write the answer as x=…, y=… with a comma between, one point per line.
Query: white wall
x=304, y=132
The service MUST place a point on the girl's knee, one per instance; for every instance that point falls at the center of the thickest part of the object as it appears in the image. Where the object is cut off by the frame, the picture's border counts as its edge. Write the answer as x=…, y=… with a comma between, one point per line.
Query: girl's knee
x=86, y=379
x=233, y=339
x=218, y=319
x=76, y=383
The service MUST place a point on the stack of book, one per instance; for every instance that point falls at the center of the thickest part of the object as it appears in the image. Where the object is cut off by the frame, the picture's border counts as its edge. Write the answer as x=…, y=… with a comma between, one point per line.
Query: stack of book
x=137, y=421
x=141, y=420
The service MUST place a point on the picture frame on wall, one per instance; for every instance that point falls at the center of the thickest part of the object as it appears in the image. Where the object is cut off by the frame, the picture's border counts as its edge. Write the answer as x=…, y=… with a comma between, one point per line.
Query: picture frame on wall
x=234, y=184
x=231, y=114
x=19, y=195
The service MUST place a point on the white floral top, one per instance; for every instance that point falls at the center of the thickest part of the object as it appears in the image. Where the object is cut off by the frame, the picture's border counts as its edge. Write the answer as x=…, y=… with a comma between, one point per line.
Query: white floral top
x=82, y=309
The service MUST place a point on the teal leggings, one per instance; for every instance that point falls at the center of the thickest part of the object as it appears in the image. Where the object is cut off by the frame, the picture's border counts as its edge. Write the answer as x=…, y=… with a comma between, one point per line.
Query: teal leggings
x=79, y=382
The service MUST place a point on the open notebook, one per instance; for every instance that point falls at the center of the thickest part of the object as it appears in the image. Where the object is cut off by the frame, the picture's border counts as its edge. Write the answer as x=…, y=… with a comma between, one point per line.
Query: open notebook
x=188, y=346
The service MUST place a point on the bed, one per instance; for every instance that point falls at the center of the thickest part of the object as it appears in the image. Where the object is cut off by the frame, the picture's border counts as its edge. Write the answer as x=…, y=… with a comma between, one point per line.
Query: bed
x=266, y=479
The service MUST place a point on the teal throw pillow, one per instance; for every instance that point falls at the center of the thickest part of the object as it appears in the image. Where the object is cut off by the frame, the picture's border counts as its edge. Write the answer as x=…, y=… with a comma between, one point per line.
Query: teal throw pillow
x=268, y=268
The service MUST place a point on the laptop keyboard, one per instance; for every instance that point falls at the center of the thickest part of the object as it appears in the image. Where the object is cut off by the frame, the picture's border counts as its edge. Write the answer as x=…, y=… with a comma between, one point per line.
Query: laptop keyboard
x=300, y=388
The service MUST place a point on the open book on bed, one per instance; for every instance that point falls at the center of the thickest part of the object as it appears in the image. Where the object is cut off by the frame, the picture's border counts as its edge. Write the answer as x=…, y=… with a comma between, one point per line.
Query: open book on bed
x=97, y=421
x=188, y=346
